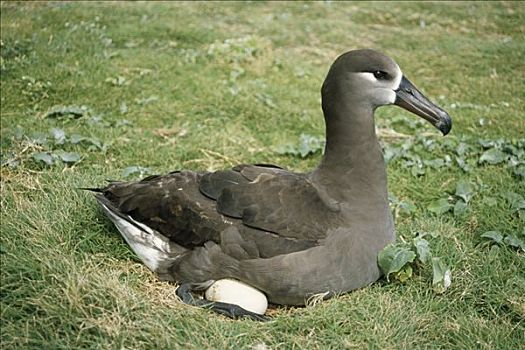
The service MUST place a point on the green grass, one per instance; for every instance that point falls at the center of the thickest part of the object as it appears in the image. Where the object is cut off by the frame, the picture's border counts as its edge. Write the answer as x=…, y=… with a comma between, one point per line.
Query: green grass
x=232, y=81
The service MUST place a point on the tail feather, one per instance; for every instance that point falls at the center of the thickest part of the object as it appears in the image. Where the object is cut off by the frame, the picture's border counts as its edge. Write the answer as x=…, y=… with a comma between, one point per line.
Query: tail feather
x=92, y=189
x=156, y=251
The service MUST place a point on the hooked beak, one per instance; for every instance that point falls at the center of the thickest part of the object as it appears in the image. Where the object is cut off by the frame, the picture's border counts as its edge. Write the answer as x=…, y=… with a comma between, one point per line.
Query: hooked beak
x=411, y=99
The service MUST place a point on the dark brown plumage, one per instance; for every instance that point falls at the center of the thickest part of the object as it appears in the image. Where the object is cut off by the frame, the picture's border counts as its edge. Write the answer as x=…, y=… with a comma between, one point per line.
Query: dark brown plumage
x=287, y=234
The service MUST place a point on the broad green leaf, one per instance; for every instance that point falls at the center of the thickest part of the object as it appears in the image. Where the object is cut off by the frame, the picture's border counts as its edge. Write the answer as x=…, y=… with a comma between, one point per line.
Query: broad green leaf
x=404, y=274
x=391, y=153
x=307, y=145
x=304, y=149
x=43, y=157
x=493, y=156
x=400, y=206
x=417, y=170
x=440, y=206
x=76, y=138
x=464, y=190
x=98, y=120
x=59, y=135
x=287, y=149
x=96, y=143
x=93, y=142
x=519, y=172
x=38, y=138
x=393, y=258
x=10, y=160
x=66, y=111
x=463, y=164
x=463, y=148
x=135, y=170
x=441, y=275
x=516, y=201
x=509, y=148
x=460, y=207
x=68, y=157
x=515, y=242
x=494, y=236
x=487, y=143
x=435, y=163
x=422, y=249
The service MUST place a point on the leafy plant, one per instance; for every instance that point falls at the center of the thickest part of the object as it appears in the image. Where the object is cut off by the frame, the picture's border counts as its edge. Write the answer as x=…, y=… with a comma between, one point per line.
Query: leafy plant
x=398, y=260
x=51, y=158
x=493, y=156
x=417, y=153
x=512, y=240
x=92, y=142
x=135, y=169
x=440, y=206
x=52, y=148
x=45, y=157
x=516, y=203
x=72, y=111
x=400, y=207
x=308, y=145
x=458, y=202
x=395, y=259
x=441, y=275
x=422, y=249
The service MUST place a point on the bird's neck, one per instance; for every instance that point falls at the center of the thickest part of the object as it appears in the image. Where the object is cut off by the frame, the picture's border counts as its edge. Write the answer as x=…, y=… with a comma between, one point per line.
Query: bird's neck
x=352, y=168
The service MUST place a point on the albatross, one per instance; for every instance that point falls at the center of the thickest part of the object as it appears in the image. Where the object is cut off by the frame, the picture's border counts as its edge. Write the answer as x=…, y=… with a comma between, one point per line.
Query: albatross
x=285, y=235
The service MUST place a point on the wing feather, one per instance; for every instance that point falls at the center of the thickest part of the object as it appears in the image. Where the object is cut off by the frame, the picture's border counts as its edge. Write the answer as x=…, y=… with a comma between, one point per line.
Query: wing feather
x=250, y=211
x=272, y=199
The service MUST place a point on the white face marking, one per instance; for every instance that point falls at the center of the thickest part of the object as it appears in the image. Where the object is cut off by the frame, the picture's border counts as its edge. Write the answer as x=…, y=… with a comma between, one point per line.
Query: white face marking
x=368, y=76
x=397, y=78
x=390, y=96
x=395, y=85
x=389, y=91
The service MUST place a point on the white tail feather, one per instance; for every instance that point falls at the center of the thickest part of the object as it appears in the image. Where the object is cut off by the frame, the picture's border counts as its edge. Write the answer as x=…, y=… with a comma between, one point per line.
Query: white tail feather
x=156, y=251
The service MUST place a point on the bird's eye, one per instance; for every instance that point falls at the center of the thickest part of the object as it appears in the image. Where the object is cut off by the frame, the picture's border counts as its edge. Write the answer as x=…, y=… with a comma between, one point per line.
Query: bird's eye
x=380, y=75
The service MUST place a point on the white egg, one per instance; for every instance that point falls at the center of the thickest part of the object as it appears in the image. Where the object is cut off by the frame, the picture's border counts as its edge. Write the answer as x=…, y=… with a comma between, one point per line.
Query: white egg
x=238, y=293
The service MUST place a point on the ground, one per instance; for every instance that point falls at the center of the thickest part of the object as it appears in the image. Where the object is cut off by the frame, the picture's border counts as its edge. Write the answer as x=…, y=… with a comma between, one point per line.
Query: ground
x=96, y=91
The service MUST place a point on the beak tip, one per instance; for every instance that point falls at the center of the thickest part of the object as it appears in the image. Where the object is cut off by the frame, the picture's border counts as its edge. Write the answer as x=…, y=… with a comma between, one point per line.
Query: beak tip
x=445, y=124
x=409, y=98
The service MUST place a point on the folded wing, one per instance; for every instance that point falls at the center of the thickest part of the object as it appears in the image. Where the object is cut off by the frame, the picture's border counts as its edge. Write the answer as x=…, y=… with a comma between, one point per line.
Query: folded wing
x=250, y=211
x=271, y=199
